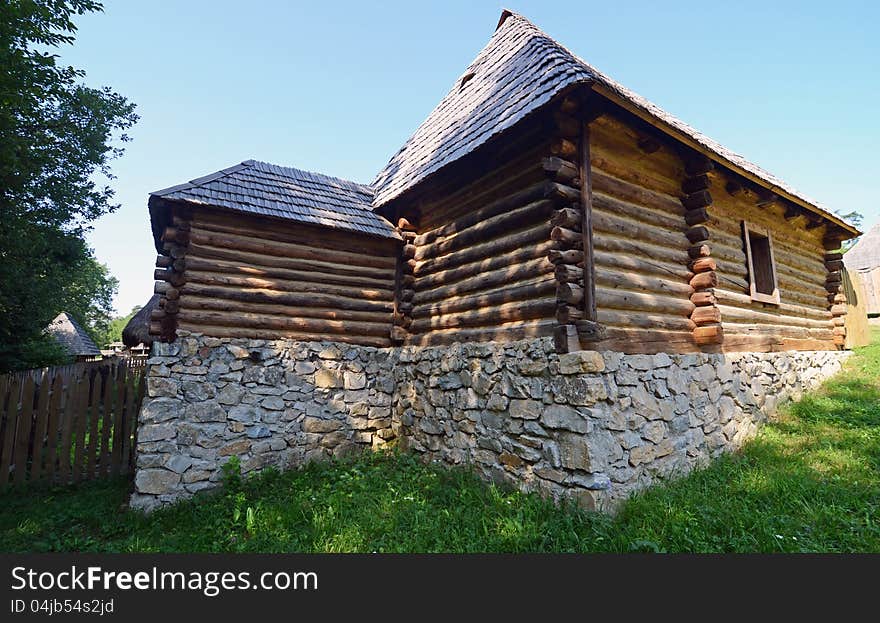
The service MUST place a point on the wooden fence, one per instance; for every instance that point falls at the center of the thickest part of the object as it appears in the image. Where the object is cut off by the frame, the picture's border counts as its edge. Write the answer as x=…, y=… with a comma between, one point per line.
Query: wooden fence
x=69, y=423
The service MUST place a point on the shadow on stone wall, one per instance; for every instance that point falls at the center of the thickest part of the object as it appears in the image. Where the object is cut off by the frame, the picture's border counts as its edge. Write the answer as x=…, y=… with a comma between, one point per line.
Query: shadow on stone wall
x=273, y=403
x=587, y=426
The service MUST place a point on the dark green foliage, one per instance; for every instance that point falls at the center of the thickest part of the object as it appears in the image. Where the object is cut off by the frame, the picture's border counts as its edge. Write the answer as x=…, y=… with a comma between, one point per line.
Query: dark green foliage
x=113, y=333
x=57, y=137
x=809, y=483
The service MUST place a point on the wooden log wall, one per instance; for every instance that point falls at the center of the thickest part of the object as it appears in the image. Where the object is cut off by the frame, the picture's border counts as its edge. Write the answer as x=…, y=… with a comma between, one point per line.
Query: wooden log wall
x=804, y=318
x=169, y=274
x=697, y=202
x=260, y=278
x=499, y=256
x=644, y=285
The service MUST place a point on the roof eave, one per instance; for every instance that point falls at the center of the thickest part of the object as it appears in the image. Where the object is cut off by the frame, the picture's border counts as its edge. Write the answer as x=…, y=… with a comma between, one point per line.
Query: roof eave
x=680, y=136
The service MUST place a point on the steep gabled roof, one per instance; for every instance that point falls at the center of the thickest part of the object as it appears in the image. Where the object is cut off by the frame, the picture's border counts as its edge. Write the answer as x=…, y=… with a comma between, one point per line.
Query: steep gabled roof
x=865, y=254
x=283, y=192
x=520, y=70
x=72, y=336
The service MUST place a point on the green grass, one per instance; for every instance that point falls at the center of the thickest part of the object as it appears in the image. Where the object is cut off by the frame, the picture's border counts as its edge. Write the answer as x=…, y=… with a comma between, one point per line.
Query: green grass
x=810, y=482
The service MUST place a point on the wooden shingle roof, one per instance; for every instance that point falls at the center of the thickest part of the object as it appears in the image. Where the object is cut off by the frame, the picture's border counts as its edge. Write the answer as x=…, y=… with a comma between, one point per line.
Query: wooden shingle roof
x=865, y=254
x=283, y=192
x=519, y=70
x=72, y=336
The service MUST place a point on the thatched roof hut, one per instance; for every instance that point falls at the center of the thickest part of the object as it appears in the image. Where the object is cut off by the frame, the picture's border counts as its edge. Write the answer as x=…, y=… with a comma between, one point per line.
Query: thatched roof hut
x=73, y=337
x=137, y=331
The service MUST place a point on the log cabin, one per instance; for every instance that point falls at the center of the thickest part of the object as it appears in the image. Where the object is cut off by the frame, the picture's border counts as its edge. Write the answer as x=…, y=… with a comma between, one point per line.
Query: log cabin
x=540, y=202
x=539, y=198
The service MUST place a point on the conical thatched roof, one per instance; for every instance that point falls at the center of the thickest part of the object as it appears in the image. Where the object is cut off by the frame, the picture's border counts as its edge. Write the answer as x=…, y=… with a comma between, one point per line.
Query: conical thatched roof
x=70, y=334
x=137, y=331
x=865, y=254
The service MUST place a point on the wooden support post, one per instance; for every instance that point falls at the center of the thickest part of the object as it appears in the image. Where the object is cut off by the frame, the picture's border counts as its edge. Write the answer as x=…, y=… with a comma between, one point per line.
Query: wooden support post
x=587, y=226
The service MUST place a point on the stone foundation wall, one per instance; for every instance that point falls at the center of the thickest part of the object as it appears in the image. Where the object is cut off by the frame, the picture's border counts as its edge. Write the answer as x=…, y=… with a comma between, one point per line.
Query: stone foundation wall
x=592, y=427
x=278, y=403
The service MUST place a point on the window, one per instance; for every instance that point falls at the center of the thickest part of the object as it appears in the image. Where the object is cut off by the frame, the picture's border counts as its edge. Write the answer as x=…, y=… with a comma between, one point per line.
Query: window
x=762, y=267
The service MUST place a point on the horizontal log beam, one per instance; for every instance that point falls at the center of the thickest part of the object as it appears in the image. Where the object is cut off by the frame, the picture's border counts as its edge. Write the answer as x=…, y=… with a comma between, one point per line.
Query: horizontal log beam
x=567, y=217
x=569, y=274
x=289, y=285
x=244, y=269
x=709, y=334
x=695, y=184
x=706, y=297
x=566, y=236
x=559, y=169
x=486, y=280
x=708, y=314
x=485, y=230
x=697, y=200
x=696, y=217
x=285, y=323
x=540, y=234
x=643, y=303
x=506, y=332
x=703, y=264
x=697, y=234
x=489, y=316
x=275, y=334
x=302, y=299
x=265, y=261
x=569, y=293
x=590, y=331
x=568, y=256
x=203, y=303
x=495, y=262
x=515, y=292
x=699, y=250
x=288, y=250
x=705, y=280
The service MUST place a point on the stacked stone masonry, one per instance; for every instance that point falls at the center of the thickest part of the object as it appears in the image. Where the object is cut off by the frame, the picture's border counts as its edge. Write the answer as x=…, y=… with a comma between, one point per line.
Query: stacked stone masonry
x=587, y=426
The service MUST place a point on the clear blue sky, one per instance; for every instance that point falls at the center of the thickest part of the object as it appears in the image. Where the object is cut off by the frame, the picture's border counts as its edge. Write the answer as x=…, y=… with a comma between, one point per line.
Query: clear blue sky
x=337, y=87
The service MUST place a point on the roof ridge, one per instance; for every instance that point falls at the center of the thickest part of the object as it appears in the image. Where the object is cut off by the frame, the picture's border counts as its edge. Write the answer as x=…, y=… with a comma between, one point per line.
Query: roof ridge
x=462, y=121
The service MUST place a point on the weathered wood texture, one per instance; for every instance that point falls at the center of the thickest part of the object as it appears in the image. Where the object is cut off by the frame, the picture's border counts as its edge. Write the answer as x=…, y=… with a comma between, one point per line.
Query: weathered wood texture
x=69, y=423
x=643, y=294
x=803, y=320
x=481, y=268
x=261, y=278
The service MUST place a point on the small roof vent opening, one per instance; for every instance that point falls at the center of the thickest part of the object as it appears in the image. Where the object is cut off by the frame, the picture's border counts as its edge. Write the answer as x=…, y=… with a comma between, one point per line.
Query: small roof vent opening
x=465, y=79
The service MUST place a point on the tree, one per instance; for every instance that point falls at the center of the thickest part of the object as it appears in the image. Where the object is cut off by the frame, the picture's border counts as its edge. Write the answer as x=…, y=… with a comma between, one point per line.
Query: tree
x=57, y=139
x=855, y=219
x=114, y=329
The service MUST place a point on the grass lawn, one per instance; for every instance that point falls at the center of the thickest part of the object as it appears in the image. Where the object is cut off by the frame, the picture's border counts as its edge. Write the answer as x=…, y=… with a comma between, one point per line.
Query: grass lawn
x=809, y=482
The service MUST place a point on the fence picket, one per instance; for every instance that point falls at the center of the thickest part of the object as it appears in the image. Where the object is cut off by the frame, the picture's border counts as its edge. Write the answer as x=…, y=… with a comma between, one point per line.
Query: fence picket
x=41, y=424
x=69, y=423
x=52, y=426
x=23, y=434
x=107, y=419
x=82, y=409
x=94, y=441
x=9, y=430
x=128, y=424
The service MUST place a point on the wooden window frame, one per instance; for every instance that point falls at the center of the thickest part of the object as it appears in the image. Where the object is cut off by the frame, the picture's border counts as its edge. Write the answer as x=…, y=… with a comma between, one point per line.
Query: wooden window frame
x=760, y=297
